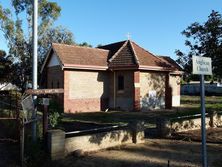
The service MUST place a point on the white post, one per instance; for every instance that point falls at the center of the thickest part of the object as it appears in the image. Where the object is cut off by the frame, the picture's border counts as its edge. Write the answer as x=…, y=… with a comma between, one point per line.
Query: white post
x=35, y=62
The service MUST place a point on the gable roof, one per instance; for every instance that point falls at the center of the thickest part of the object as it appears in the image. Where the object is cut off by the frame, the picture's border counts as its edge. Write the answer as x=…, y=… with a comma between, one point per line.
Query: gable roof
x=124, y=57
x=121, y=55
x=73, y=56
x=129, y=54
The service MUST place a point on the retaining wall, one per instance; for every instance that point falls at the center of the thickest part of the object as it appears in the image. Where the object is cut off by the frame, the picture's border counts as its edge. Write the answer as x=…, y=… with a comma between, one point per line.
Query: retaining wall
x=166, y=126
x=59, y=145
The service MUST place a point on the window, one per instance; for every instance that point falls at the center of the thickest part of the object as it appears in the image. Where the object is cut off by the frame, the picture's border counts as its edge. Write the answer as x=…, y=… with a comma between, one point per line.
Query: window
x=58, y=84
x=120, y=82
x=52, y=84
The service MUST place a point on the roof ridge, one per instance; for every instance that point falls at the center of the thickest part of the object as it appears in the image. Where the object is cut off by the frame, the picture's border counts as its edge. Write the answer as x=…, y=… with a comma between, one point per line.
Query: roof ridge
x=146, y=50
x=114, y=56
x=134, y=52
x=74, y=45
x=112, y=43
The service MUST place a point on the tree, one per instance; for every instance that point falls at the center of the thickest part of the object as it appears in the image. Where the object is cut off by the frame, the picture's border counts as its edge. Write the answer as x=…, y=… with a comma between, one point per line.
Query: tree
x=203, y=40
x=5, y=64
x=85, y=44
x=17, y=29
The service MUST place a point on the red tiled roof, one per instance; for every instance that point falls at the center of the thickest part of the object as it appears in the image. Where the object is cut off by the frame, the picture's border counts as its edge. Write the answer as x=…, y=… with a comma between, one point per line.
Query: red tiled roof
x=77, y=55
x=172, y=63
x=146, y=58
x=124, y=54
x=124, y=57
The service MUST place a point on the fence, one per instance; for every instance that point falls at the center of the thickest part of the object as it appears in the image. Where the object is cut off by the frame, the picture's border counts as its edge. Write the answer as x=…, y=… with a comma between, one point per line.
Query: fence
x=9, y=114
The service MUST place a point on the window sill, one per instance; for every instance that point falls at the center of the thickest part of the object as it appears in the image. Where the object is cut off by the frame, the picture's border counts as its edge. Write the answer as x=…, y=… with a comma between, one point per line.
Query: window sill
x=120, y=91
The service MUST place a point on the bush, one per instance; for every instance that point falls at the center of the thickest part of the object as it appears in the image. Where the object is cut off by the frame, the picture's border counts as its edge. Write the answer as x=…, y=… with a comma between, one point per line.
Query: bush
x=55, y=111
x=54, y=119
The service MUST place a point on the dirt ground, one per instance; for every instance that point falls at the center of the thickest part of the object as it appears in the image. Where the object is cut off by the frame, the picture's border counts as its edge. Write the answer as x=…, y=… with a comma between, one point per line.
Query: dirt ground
x=9, y=154
x=213, y=135
x=153, y=153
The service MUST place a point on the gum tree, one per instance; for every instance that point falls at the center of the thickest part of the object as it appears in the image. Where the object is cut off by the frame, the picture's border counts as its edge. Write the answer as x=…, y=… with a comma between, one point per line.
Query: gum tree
x=203, y=40
x=16, y=26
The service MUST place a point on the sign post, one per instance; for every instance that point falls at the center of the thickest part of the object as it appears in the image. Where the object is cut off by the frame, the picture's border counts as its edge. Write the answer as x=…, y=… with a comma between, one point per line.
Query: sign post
x=202, y=66
x=45, y=102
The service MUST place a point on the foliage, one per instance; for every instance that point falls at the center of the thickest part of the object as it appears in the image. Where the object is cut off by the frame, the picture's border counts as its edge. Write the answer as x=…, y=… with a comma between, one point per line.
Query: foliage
x=18, y=34
x=85, y=44
x=203, y=40
x=54, y=119
x=5, y=64
x=54, y=113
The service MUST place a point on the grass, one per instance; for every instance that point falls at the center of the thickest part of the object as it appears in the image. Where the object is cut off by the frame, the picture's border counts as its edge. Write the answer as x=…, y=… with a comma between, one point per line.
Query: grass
x=190, y=105
x=112, y=117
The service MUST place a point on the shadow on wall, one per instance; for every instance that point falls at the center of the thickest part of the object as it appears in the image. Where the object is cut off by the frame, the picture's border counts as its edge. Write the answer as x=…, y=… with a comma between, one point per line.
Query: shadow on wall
x=155, y=98
x=104, y=98
x=114, y=136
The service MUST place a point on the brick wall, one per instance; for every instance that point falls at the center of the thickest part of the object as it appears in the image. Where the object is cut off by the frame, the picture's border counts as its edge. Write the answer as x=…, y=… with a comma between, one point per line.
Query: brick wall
x=152, y=81
x=85, y=91
x=175, y=85
x=124, y=98
x=55, y=79
x=136, y=99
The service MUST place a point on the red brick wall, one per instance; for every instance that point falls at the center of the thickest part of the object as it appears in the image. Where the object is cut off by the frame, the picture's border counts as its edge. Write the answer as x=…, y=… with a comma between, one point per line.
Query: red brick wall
x=78, y=98
x=136, y=100
x=168, y=92
x=55, y=79
x=123, y=98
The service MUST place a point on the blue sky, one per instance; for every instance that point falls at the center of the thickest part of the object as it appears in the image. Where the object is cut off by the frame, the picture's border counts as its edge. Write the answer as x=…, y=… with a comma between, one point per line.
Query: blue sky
x=155, y=25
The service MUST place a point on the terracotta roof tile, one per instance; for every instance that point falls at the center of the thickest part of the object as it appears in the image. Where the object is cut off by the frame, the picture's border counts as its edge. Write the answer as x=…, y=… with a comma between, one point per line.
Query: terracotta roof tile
x=117, y=55
x=171, y=62
x=146, y=58
x=123, y=57
x=113, y=48
x=78, y=55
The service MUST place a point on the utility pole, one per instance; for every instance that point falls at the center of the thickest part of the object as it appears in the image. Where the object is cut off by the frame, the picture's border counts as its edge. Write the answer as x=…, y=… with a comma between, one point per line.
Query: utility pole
x=35, y=62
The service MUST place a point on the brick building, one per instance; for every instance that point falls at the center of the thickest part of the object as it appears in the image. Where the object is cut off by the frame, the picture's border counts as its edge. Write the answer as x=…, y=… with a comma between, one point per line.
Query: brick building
x=121, y=75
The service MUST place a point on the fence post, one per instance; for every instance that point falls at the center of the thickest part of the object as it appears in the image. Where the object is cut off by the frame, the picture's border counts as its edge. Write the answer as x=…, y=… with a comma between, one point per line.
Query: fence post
x=22, y=140
x=137, y=129
x=163, y=127
x=45, y=121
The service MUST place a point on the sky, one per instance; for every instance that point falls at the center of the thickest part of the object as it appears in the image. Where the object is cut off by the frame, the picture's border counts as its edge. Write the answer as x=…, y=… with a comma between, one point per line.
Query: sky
x=155, y=25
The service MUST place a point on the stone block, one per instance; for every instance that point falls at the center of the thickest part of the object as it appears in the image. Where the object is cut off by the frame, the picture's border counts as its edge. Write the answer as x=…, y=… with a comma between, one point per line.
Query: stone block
x=56, y=144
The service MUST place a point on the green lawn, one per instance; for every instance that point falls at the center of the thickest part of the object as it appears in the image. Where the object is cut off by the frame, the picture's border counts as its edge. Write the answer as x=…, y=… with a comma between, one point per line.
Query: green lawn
x=189, y=105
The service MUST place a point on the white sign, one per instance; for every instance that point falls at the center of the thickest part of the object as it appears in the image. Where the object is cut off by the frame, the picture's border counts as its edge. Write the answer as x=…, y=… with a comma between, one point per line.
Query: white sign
x=202, y=65
x=152, y=94
x=28, y=107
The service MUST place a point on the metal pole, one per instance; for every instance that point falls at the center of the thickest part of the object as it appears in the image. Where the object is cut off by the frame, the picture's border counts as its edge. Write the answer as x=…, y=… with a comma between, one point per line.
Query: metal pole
x=35, y=62
x=203, y=127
